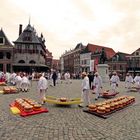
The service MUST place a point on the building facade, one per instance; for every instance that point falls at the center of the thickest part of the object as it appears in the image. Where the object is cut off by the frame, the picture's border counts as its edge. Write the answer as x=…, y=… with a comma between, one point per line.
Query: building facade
x=49, y=59
x=118, y=63
x=29, y=51
x=62, y=64
x=70, y=60
x=85, y=59
x=133, y=62
x=6, y=53
x=76, y=54
x=93, y=52
x=56, y=64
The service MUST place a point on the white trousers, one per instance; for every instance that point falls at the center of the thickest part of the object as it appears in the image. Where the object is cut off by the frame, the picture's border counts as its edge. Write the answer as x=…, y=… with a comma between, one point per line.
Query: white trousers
x=24, y=86
x=113, y=87
x=51, y=82
x=42, y=95
x=128, y=85
x=97, y=91
x=18, y=84
x=85, y=98
x=58, y=81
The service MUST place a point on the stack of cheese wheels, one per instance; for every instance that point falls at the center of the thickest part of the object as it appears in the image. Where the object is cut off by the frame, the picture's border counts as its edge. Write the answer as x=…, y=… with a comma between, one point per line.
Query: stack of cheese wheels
x=13, y=89
x=27, y=105
x=111, y=105
x=63, y=99
x=6, y=89
x=92, y=107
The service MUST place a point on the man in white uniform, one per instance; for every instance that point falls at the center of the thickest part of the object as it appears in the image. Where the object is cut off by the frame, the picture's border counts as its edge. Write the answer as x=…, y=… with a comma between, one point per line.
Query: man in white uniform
x=42, y=86
x=137, y=82
x=7, y=77
x=25, y=83
x=12, y=78
x=67, y=77
x=114, y=81
x=97, y=83
x=85, y=91
x=50, y=79
x=128, y=81
x=18, y=80
x=58, y=78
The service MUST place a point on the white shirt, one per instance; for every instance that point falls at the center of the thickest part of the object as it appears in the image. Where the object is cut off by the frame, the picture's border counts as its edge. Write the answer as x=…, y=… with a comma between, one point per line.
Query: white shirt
x=137, y=79
x=128, y=79
x=13, y=75
x=42, y=83
x=25, y=80
x=85, y=83
x=18, y=78
x=97, y=81
x=114, y=79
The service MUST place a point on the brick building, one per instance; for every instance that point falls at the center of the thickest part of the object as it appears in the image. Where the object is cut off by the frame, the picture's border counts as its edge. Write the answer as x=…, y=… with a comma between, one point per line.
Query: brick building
x=70, y=60
x=56, y=64
x=49, y=58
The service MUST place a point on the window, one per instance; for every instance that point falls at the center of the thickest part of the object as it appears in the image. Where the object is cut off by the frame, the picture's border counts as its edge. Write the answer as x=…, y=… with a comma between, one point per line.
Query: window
x=21, y=61
x=121, y=68
x=1, y=67
x=8, y=67
x=137, y=53
x=85, y=61
x=8, y=55
x=32, y=62
x=19, y=48
x=114, y=67
x=27, y=37
x=26, y=48
x=2, y=41
x=35, y=49
x=88, y=62
x=1, y=55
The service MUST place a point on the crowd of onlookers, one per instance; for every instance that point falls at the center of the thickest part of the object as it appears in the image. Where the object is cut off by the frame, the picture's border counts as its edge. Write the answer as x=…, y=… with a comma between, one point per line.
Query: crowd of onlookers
x=17, y=78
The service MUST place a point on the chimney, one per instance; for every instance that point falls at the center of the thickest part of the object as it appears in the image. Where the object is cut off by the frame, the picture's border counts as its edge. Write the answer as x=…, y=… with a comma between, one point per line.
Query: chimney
x=20, y=29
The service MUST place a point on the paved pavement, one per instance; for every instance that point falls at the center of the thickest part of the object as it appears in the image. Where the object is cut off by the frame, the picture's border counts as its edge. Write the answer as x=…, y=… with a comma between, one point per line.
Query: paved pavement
x=68, y=123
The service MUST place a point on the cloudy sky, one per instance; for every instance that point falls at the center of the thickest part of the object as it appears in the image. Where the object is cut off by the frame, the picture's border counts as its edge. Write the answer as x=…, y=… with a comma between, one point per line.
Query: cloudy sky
x=65, y=23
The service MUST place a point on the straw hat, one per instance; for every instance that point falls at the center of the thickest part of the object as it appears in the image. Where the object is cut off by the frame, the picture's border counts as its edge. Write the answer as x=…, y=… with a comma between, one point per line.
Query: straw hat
x=114, y=72
x=84, y=73
x=127, y=74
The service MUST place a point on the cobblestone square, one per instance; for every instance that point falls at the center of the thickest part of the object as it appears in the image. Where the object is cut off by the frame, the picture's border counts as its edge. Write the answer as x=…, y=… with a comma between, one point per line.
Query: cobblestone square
x=69, y=123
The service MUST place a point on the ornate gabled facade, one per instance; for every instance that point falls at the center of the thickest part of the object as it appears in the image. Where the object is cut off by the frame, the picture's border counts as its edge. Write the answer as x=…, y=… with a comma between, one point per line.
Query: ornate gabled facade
x=6, y=53
x=29, y=51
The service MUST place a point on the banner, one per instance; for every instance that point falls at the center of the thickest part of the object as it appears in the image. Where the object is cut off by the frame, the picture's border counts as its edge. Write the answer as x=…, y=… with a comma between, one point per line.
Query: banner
x=91, y=65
